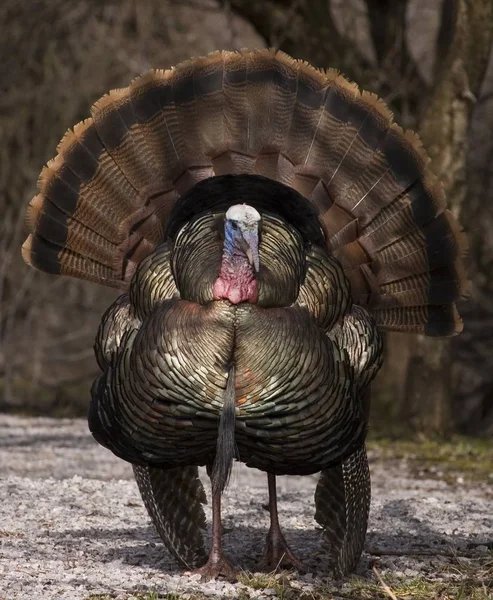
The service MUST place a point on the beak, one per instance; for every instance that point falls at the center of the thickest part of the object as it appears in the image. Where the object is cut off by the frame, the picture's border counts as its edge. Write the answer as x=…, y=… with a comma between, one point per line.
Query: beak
x=250, y=237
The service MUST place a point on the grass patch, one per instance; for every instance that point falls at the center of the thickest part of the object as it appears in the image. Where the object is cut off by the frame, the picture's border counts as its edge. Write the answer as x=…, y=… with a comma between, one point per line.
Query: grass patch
x=419, y=588
x=463, y=579
x=469, y=458
x=282, y=584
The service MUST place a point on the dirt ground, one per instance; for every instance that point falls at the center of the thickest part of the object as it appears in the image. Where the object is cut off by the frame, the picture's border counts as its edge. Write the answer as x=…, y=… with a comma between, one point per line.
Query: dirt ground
x=72, y=525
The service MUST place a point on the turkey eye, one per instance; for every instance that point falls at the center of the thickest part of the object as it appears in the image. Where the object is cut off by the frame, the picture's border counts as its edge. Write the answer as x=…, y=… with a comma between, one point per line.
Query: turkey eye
x=234, y=224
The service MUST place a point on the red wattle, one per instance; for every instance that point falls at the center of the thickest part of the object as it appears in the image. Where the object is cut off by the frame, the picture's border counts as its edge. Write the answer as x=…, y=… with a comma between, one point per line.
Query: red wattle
x=235, y=290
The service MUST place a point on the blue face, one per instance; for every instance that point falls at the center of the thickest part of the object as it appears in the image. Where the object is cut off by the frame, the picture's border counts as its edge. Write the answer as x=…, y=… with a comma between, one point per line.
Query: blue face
x=230, y=235
x=242, y=237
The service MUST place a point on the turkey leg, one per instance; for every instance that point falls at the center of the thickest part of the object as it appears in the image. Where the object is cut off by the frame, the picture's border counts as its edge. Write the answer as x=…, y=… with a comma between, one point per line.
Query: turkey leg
x=277, y=552
x=217, y=564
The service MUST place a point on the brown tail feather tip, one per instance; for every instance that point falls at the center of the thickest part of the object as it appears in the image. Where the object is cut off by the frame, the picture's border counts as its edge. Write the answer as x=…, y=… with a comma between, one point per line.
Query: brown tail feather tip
x=67, y=141
x=33, y=211
x=459, y=233
x=345, y=139
x=465, y=284
x=378, y=105
x=26, y=250
x=81, y=127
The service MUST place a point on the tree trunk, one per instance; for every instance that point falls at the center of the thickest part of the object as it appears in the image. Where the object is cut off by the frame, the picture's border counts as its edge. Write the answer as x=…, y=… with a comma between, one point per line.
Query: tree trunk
x=472, y=359
x=426, y=403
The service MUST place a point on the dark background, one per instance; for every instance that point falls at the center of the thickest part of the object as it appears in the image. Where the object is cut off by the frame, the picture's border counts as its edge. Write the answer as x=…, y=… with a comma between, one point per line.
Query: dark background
x=427, y=58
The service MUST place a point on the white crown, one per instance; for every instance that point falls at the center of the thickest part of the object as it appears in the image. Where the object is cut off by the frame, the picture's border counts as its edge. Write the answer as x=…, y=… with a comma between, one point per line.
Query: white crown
x=243, y=213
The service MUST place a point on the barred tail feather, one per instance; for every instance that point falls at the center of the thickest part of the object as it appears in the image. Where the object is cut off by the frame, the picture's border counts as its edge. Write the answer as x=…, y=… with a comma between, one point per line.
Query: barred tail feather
x=174, y=499
x=342, y=501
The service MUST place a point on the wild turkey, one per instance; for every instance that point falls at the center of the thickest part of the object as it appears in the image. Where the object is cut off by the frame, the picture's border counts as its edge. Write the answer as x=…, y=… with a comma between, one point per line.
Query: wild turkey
x=263, y=220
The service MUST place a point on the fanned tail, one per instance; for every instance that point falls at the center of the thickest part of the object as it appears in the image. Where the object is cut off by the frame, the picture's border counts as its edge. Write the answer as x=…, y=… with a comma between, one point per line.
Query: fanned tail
x=111, y=194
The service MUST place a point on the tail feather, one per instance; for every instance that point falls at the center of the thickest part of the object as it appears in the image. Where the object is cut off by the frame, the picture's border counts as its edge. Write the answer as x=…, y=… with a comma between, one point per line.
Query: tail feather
x=434, y=321
x=45, y=256
x=114, y=120
x=226, y=445
x=189, y=127
x=278, y=104
x=311, y=87
x=236, y=109
x=151, y=97
x=109, y=196
x=208, y=75
x=420, y=251
x=75, y=183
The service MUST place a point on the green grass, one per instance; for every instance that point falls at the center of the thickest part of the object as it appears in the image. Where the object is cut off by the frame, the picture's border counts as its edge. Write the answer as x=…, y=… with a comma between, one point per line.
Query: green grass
x=69, y=400
x=414, y=589
x=280, y=583
x=469, y=458
x=472, y=581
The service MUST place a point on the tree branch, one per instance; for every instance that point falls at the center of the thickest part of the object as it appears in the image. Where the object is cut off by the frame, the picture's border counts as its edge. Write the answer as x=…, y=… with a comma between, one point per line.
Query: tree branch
x=388, y=31
x=296, y=26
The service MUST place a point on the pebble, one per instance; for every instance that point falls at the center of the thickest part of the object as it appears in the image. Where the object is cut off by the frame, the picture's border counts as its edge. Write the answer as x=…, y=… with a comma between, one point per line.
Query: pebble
x=83, y=523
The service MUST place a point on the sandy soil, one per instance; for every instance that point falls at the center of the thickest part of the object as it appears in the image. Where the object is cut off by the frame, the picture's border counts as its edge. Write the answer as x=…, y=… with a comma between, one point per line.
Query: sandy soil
x=72, y=523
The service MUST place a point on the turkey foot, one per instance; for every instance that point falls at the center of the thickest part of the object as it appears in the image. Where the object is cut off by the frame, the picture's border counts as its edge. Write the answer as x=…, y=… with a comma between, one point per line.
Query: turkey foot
x=277, y=552
x=217, y=565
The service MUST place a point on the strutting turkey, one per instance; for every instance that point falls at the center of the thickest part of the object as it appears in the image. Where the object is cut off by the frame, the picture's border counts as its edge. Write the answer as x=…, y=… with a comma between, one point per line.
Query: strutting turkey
x=263, y=220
